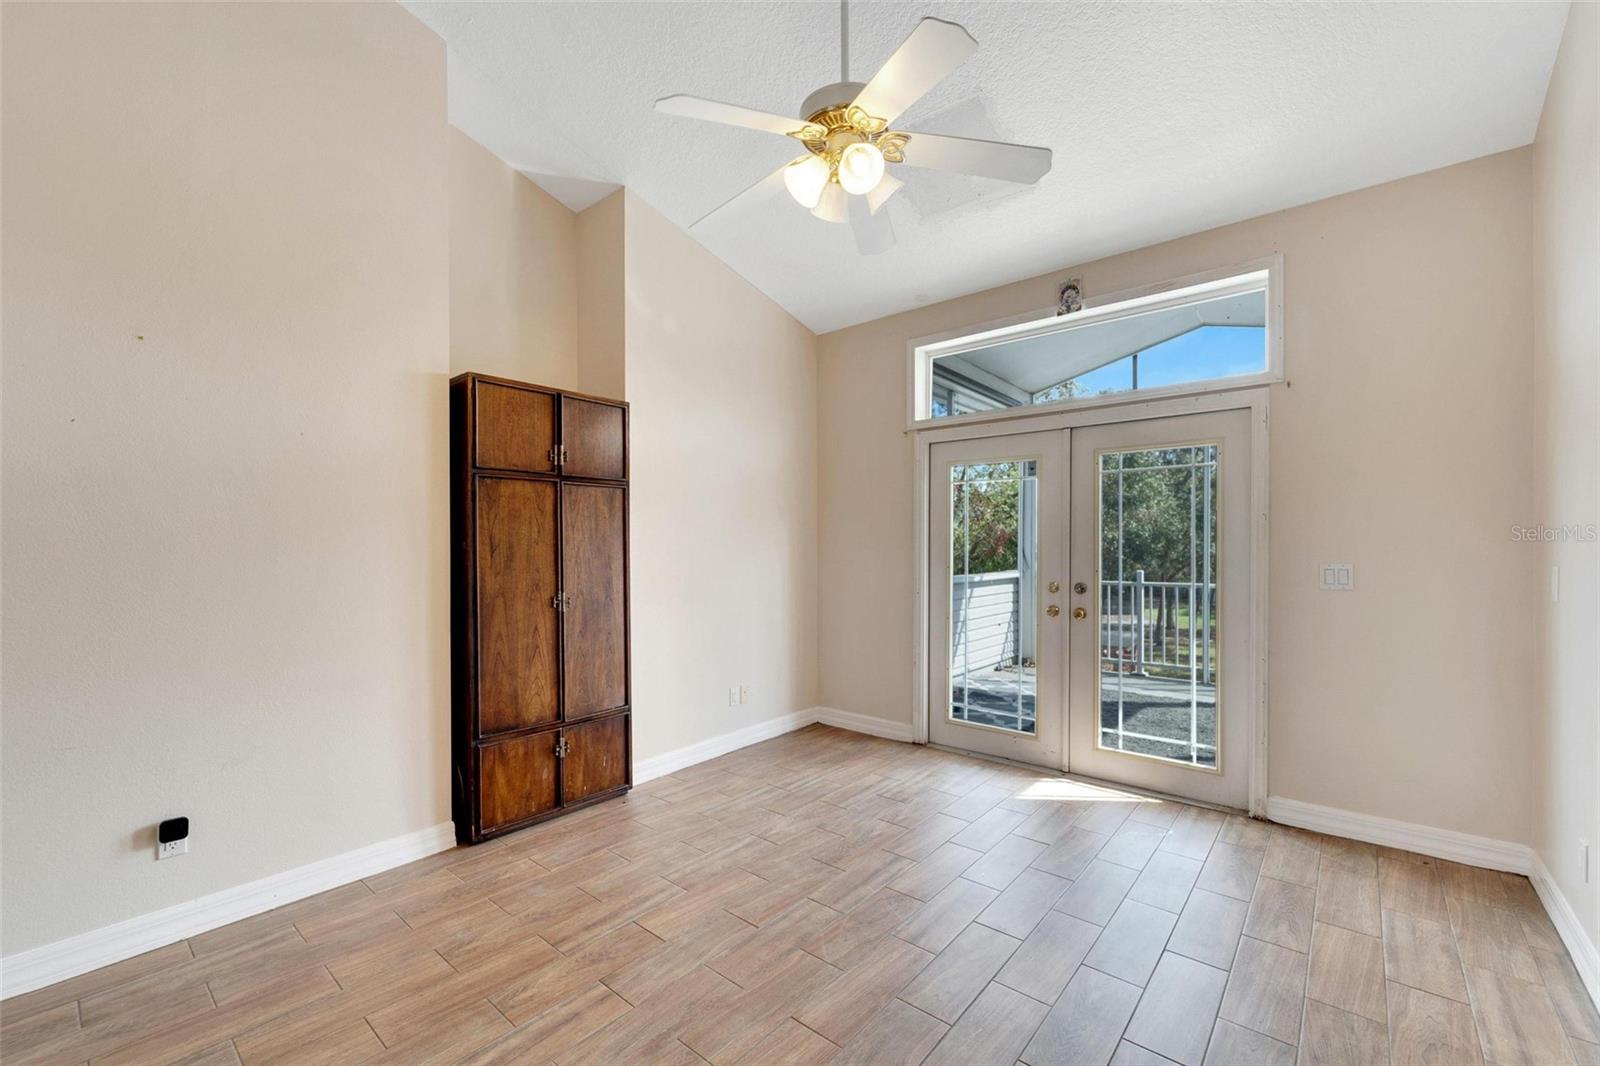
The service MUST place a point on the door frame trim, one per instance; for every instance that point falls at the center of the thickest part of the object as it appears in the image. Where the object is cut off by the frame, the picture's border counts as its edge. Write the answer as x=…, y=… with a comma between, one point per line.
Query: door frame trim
x=1256, y=400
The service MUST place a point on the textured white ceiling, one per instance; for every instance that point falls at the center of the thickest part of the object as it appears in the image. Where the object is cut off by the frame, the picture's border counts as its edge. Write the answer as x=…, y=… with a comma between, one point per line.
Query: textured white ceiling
x=1165, y=119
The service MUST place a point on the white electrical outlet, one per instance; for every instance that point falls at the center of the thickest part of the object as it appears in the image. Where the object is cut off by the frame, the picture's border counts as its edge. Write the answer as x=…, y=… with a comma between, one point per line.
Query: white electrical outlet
x=172, y=849
x=744, y=693
x=733, y=695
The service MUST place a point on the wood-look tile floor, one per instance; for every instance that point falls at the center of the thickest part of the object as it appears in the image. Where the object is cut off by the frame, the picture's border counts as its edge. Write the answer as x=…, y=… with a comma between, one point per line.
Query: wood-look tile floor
x=827, y=897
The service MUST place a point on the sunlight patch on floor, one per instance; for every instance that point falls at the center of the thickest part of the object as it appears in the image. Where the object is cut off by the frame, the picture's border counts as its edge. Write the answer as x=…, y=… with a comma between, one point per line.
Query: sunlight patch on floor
x=1056, y=788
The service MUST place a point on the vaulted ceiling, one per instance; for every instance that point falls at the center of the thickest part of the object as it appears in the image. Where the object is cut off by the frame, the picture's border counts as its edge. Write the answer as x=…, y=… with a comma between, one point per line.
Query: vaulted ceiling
x=1165, y=119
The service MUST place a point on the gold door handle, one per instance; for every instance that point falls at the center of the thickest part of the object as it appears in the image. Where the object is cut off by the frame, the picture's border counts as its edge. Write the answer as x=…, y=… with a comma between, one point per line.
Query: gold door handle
x=1052, y=610
x=1079, y=612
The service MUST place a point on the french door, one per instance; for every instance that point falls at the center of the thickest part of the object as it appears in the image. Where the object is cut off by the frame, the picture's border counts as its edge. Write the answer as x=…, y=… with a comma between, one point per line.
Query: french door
x=1161, y=667
x=996, y=562
x=1091, y=601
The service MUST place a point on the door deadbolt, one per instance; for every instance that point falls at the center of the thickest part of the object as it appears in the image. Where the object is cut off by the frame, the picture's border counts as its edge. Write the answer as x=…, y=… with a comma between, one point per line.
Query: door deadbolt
x=1080, y=588
x=1079, y=612
x=1052, y=610
x=1055, y=586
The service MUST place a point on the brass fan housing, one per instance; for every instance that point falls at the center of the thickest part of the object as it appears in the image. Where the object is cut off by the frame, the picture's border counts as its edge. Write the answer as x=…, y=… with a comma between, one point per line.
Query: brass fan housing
x=832, y=128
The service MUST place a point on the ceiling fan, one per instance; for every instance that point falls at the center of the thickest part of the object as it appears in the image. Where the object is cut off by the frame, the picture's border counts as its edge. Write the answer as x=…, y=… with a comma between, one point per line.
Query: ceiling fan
x=842, y=177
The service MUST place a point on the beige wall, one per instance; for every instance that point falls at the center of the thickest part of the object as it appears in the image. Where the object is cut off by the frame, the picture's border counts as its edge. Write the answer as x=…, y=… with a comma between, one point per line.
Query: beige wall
x=237, y=276
x=1400, y=445
x=513, y=272
x=1566, y=368
x=226, y=304
x=722, y=384
x=601, y=290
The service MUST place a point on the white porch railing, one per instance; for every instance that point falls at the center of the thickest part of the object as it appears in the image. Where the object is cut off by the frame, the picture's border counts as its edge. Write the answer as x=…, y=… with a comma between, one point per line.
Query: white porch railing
x=1167, y=624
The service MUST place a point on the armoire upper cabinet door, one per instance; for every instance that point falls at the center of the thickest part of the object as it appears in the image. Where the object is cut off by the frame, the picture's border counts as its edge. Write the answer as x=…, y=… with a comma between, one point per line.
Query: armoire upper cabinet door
x=593, y=434
x=517, y=778
x=594, y=580
x=514, y=428
x=517, y=585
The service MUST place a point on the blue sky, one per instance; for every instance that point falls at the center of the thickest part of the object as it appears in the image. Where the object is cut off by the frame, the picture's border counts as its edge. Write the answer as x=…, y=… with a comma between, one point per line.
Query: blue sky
x=1207, y=352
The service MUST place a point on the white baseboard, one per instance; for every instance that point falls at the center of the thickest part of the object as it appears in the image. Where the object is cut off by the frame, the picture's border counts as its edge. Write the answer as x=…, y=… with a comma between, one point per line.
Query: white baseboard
x=690, y=754
x=28, y=970
x=1457, y=847
x=678, y=758
x=869, y=724
x=1409, y=836
x=1585, y=958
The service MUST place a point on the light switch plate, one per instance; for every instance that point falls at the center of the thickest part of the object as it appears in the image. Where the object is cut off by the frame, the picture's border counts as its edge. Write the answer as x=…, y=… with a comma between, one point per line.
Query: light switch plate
x=1337, y=577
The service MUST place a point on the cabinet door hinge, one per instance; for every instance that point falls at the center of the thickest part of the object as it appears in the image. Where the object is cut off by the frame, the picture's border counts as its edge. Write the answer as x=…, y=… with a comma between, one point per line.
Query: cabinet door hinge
x=558, y=454
x=563, y=746
x=561, y=601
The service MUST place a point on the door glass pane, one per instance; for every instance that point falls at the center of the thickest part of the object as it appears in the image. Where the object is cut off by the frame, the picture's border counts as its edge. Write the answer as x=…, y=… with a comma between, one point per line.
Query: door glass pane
x=1158, y=603
x=994, y=552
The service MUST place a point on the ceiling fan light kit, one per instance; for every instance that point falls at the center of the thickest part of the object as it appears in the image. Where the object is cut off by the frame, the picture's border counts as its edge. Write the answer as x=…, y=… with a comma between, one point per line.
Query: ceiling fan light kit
x=849, y=143
x=833, y=205
x=860, y=168
x=805, y=179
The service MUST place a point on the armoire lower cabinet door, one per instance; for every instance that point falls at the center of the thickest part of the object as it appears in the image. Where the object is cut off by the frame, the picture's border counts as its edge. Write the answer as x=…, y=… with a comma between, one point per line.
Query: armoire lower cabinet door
x=596, y=759
x=517, y=778
x=594, y=579
x=516, y=589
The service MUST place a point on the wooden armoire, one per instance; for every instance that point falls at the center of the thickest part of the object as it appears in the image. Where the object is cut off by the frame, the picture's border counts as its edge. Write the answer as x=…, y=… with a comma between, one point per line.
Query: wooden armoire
x=539, y=603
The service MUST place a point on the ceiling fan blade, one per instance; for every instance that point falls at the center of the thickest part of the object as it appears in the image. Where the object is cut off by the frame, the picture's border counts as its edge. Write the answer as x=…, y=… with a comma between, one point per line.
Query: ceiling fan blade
x=888, y=185
x=751, y=194
x=873, y=230
x=933, y=50
x=729, y=114
x=988, y=159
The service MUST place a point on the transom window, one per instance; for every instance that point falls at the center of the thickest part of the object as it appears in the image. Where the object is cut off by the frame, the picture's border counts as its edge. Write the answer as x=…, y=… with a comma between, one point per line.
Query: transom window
x=1200, y=337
